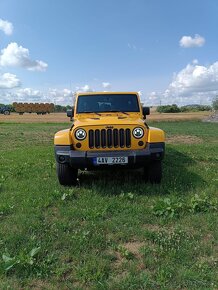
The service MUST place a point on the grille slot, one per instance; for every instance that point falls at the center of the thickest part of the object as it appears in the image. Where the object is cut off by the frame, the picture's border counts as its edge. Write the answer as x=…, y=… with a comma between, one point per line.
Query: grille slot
x=91, y=139
x=109, y=138
x=128, y=138
x=116, y=139
x=97, y=138
x=121, y=135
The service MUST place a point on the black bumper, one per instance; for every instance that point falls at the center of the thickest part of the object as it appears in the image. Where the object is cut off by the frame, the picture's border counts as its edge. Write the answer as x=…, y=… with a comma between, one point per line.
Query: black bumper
x=86, y=159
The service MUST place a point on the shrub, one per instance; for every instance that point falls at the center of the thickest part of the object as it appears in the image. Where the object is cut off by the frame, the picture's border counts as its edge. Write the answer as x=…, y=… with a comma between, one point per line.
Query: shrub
x=167, y=208
x=168, y=109
x=195, y=108
x=170, y=208
x=202, y=204
x=24, y=260
x=189, y=108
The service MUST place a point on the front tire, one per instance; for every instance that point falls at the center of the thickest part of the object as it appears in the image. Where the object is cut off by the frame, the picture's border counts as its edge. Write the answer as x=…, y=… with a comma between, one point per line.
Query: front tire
x=155, y=171
x=6, y=112
x=67, y=176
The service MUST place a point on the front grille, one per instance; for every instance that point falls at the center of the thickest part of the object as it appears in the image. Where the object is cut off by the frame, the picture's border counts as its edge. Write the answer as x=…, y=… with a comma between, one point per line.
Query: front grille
x=109, y=138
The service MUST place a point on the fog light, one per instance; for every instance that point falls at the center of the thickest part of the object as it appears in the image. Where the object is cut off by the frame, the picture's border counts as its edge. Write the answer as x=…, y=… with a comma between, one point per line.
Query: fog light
x=61, y=158
x=141, y=143
x=78, y=145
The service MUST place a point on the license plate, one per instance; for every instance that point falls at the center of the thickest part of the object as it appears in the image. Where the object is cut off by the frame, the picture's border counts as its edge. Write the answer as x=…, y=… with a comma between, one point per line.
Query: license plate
x=111, y=160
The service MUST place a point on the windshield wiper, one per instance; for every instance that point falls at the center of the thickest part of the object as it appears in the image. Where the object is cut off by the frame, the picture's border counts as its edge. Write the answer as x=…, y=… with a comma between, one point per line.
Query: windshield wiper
x=91, y=112
x=116, y=111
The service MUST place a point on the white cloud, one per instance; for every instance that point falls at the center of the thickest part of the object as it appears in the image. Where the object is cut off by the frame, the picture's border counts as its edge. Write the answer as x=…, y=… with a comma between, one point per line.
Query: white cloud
x=188, y=41
x=60, y=97
x=106, y=85
x=195, y=78
x=21, y=95
x=194, y=84
x=153, y=99
x=85, y=88
x=6, y=27
x=29, y=95
x=195, y=61
x=9, y=81
x=18, y=56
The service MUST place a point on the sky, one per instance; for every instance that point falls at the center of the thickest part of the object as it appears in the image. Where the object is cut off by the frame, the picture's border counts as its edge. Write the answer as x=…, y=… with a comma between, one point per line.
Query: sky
x=166, y=50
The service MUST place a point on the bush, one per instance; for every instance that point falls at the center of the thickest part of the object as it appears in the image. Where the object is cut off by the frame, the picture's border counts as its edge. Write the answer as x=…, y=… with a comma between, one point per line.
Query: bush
x=189, y=108
x=59, y=108
x=195, y=108
x=168, y=109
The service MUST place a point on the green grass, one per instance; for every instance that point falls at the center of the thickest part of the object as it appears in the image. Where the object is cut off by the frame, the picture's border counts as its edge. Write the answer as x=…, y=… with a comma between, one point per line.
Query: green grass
x=113, y=231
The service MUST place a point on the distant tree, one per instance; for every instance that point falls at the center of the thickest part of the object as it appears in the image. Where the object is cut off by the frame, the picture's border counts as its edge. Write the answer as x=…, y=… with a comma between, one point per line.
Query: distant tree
x=215, y=103
x=168, y=109
x=195, y=108
x=59, y=108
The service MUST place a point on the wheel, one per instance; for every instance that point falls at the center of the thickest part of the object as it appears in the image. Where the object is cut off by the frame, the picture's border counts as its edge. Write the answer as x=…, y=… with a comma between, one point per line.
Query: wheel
x=146, y=173
x=6, y=112
x=66, y=174
x=155, y=171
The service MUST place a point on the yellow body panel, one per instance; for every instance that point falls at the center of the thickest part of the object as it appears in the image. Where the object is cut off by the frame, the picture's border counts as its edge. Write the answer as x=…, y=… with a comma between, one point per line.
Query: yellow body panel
x=63, y=137
x=155, y=135
x=100, y=121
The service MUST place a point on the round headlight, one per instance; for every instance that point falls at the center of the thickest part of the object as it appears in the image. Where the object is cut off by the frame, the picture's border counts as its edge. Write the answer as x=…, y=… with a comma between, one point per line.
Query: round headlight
x=80, y=134
x=138, y=133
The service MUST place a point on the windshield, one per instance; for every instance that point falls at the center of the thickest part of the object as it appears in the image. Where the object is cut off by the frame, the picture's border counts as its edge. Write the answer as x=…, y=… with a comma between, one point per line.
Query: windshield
x=107, y=103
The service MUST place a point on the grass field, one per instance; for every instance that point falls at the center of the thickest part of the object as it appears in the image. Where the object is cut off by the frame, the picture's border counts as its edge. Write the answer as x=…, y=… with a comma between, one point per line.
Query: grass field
x=113, y=231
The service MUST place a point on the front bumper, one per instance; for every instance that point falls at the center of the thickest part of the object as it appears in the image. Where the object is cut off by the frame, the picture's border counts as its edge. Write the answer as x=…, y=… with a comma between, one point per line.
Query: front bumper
x=86, y=159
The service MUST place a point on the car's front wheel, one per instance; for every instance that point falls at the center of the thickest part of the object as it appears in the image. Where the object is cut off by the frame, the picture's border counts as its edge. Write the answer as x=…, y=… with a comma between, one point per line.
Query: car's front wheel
x=154, y=171
x=67, y=175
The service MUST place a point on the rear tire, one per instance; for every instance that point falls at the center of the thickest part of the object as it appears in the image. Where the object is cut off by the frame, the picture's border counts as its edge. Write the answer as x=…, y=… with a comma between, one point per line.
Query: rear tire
x=67, y=176
x=155, y=171
x=7, y=112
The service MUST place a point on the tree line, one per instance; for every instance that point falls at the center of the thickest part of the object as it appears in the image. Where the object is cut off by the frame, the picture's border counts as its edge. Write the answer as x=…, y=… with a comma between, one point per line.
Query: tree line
x=161, y=109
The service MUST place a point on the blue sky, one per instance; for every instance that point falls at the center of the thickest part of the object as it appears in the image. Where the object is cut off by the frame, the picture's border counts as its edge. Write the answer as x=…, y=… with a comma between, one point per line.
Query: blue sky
x=167, y=50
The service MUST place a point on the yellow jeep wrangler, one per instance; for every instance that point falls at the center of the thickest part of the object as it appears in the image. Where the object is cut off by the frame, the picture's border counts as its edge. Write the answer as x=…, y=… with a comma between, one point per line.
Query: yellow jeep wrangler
x=108, y=129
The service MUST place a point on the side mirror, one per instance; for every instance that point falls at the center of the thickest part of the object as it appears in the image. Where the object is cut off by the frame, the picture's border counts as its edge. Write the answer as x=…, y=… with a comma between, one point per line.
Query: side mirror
x=70, y=113
x=146, y=111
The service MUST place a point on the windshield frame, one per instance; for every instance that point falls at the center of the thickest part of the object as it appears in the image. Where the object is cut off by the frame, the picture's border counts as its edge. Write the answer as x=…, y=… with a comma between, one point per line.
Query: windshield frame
x=137, y=108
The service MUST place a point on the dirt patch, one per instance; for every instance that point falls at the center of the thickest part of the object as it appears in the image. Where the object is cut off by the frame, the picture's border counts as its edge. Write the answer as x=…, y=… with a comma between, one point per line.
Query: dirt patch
x=134, y=247
x=155, y=116
x=62, y=117
x=152, y=228
x=183, y=139
x=122, y=263
x=40, y=285
x=34, y=118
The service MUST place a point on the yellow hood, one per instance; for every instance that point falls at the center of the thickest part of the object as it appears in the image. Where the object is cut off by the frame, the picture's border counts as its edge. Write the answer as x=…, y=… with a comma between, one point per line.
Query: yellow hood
x=108, y=119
